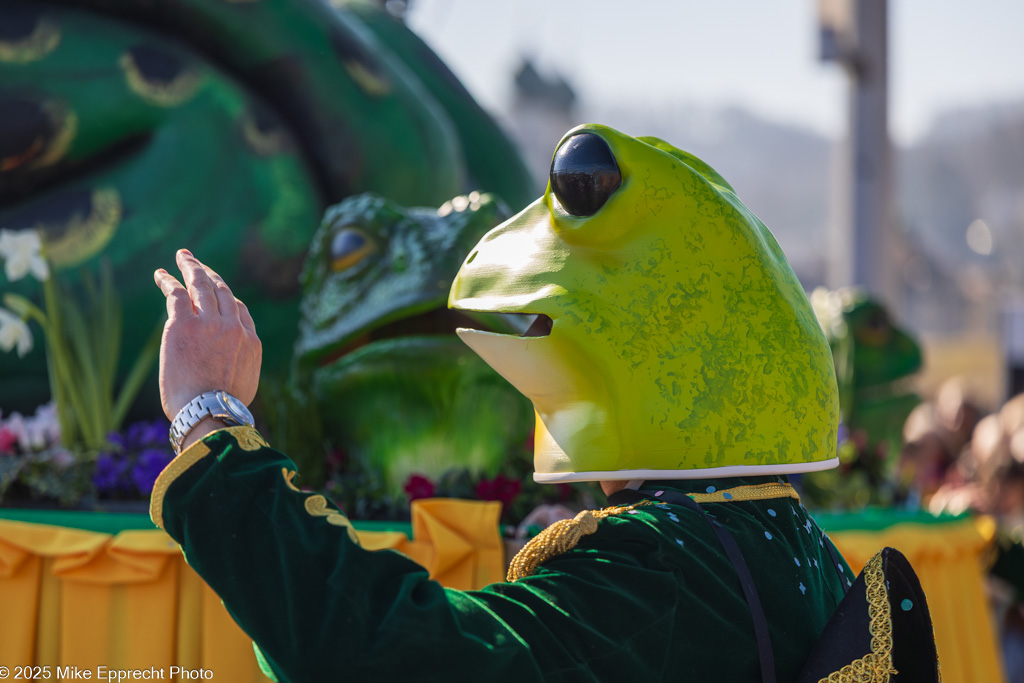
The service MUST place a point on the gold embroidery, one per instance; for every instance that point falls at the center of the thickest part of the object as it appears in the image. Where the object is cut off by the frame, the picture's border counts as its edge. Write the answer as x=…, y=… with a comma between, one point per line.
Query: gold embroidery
x=742, y=493
x=317, y=507
x=289, y=477
x=876, y=666
x=248, y=438
x=561, y=537
x=188, y=457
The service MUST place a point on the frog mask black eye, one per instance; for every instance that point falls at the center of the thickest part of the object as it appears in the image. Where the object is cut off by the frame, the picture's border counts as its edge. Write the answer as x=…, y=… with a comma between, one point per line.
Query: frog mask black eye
x=584, y=174
x=349, y=246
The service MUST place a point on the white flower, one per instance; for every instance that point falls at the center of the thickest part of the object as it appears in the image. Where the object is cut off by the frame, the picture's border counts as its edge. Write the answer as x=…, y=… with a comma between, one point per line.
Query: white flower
x=14, y=332
x=21, y=250
x=49, y=423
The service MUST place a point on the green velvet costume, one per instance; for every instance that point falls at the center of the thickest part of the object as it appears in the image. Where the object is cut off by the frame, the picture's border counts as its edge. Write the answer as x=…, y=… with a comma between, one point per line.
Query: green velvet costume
x=649, y=596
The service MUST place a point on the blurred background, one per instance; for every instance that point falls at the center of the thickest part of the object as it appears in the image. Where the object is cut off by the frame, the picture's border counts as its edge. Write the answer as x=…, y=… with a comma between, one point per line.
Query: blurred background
x=769, y=94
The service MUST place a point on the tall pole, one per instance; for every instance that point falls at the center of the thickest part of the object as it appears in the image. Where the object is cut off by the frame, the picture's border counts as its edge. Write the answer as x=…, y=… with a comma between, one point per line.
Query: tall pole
x=855, y=34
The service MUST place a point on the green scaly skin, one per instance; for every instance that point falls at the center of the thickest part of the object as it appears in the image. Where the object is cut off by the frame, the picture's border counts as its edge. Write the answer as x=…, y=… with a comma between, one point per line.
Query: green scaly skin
x=394, y=386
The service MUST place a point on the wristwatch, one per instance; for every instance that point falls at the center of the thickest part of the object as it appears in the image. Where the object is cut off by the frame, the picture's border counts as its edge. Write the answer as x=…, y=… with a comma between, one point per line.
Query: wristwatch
x=220, y=405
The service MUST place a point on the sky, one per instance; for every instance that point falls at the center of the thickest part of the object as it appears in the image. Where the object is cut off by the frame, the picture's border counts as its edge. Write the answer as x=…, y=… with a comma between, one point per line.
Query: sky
x=761, y=55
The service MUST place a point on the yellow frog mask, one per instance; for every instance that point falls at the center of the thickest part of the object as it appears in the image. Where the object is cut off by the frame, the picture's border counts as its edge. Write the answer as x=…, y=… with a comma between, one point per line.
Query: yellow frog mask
x=672, y=338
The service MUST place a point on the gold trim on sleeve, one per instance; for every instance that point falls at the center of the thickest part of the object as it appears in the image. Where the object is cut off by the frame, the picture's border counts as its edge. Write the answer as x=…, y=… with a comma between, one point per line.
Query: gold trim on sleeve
x=561, y=537
x=247, y=438
x=188, y=457
x=876, y=666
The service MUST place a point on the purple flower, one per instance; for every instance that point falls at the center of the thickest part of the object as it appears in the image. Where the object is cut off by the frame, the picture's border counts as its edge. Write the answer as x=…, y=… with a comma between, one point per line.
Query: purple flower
x=111, y=474
x=148, y=467
x=145, y=434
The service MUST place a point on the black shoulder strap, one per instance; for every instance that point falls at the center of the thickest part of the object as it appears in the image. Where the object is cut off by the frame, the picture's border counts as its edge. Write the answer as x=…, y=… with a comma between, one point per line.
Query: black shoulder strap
x=732, y=550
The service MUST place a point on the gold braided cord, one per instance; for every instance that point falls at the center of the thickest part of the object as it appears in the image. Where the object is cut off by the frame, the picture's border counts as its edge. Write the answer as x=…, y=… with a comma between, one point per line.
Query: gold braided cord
x=742, y=493
x=559, y=538
x=876, y=666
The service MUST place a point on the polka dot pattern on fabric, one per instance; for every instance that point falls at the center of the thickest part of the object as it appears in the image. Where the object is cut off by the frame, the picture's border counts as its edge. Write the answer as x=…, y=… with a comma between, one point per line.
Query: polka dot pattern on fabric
x=771, y=512
x=907, y=605
x=681, y=544
x=727, y=496
x=659, y=493
x=803, y=589
x=710, y=489
x=768, y=535
x=797, y=561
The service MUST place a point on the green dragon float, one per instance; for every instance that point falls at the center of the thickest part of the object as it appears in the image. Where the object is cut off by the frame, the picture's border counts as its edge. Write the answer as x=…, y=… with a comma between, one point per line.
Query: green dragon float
x=129, y=129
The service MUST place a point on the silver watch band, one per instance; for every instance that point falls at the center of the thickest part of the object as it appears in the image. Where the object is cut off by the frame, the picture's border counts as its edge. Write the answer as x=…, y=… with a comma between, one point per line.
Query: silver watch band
x=207, y=404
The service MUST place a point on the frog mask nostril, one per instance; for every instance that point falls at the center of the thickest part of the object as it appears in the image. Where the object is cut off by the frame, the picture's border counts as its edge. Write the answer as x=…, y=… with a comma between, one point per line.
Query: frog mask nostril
x=541, y=327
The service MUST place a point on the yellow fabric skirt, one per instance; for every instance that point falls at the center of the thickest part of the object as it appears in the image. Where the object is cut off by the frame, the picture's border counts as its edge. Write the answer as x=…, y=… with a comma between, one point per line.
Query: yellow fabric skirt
x=75, y=598
x=80, y=598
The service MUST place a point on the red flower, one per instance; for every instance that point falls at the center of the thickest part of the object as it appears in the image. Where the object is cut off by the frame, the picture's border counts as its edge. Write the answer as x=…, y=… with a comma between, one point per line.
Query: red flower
x=501, y=488
x=564, y=491
x=8, y=440
x=418, y=486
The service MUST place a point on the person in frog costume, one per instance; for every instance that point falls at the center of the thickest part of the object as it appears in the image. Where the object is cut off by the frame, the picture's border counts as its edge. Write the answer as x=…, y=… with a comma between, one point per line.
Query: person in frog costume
x=674, y=358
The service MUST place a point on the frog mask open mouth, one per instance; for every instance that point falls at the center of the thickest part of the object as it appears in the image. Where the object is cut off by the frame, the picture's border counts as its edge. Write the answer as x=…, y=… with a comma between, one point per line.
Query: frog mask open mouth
x=673, y=339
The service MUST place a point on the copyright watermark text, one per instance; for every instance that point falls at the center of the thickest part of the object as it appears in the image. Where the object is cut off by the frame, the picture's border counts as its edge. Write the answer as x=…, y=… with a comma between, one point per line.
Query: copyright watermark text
x=103, y=673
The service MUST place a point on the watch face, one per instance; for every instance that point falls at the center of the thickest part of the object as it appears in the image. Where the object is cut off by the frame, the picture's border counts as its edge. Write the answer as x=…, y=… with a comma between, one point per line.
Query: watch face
x=237, y=408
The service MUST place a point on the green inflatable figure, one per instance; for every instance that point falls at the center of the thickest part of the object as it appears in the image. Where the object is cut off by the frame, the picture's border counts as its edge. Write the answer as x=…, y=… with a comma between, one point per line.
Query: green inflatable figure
x=128, y=129
x=874, y=360
x=377, y=352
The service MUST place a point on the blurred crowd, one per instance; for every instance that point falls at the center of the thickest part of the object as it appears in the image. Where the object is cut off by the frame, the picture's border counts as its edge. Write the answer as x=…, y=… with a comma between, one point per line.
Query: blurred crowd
x=955, y=459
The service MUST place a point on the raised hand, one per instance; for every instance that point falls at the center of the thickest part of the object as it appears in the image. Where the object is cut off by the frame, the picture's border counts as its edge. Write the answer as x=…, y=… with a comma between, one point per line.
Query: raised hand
x=209, y=341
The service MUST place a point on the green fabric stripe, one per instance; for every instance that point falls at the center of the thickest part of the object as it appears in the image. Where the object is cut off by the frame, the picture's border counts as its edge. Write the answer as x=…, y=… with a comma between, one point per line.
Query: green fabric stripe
x=876, y=519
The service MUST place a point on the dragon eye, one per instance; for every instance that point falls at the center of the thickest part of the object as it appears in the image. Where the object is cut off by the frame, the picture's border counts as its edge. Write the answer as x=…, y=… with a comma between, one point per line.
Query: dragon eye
x=349, y=246
x=584, y=174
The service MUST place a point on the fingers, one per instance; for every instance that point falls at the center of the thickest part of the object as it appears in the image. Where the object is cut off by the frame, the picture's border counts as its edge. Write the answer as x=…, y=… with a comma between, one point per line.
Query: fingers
x=179, y=304
x=210, y=292
x=245, y=316
x=200, y=285
x=226, y=301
